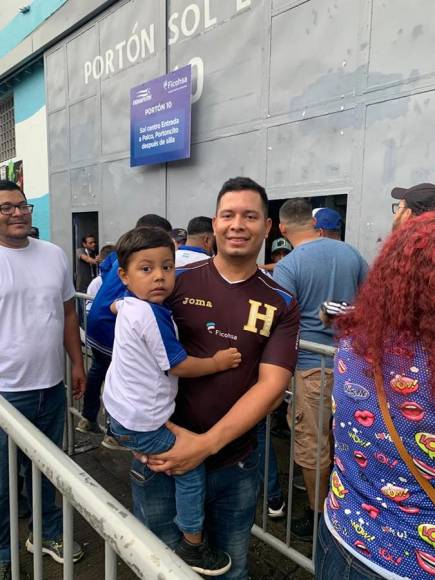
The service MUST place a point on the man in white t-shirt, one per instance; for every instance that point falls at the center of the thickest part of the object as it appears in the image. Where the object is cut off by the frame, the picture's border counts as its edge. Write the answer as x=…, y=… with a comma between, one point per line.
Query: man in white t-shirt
x=38, y=320
x=199, y=243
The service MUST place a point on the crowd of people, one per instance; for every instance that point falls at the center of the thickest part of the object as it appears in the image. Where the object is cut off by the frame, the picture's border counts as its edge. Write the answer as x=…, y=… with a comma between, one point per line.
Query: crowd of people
x=196, y=344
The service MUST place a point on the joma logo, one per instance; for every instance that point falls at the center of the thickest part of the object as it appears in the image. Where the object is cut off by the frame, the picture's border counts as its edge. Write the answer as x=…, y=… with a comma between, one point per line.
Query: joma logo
x=198, y=302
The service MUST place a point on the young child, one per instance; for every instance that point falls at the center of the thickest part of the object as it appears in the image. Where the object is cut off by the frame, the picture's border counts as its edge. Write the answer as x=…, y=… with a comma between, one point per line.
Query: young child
x=141, y=383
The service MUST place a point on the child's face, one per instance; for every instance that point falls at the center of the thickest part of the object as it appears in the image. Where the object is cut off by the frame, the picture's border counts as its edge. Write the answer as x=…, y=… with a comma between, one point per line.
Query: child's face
x=150, y=274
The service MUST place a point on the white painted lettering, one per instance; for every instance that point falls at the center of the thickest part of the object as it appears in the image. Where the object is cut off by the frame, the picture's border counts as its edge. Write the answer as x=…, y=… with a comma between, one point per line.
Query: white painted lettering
x=119, y=47
x=88, y=70
x=208, y=21
x=98, y=67
x=198, y=76
x=109, y=61
x=173, y=28
x=147, y=41
x=241, y=4
x=194, y=9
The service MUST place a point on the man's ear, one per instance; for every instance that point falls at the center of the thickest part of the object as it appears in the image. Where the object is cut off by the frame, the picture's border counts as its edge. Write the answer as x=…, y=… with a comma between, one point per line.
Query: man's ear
x=268, y=226
x=283, y=229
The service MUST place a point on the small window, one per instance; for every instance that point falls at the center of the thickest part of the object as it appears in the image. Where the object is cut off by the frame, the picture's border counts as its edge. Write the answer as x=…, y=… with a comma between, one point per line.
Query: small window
x=7, y=128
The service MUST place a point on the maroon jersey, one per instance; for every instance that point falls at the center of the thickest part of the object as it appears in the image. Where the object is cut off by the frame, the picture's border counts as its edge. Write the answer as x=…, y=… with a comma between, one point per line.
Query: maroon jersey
x=256, y=316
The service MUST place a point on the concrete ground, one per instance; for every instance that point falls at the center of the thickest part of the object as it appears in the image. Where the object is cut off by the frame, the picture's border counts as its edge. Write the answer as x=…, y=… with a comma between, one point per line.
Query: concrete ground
x=110, y=469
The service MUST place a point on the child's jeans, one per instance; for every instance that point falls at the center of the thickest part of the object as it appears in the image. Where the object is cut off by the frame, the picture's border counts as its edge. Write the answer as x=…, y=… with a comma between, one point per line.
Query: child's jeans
x=189, y=487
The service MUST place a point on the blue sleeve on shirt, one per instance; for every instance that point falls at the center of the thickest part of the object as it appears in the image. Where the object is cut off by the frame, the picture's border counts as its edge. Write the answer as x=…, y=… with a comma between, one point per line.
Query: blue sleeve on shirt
x=283, y=275
x=174, y=350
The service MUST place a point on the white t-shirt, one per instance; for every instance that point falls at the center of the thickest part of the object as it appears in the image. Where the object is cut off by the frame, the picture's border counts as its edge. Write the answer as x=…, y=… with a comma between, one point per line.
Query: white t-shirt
x=139, y=393
x=185, y=256
x=92, y=290
x=35, y=281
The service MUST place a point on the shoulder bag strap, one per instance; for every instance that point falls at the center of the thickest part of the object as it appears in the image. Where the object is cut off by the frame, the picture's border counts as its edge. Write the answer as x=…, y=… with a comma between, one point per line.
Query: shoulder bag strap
x=424, y=483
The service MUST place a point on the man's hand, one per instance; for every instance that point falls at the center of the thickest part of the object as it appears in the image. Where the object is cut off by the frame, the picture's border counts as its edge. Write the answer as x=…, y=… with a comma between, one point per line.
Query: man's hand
x=189, y=451
x=78, y=379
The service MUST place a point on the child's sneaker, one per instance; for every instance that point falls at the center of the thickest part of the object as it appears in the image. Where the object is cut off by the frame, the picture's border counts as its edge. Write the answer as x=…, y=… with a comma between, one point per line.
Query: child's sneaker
x=204, y=559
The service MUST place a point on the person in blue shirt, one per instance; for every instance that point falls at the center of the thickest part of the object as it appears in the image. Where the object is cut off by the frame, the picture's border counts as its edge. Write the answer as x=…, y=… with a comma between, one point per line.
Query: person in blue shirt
x=318, y=269
x=199, y=242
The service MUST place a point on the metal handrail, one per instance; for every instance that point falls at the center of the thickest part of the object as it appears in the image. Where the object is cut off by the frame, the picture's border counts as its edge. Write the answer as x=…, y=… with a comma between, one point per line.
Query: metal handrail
x=140, y=549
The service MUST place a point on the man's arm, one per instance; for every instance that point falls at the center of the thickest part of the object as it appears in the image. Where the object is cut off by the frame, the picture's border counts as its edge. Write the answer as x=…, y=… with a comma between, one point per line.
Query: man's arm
x=191, y=449
x=71, y=341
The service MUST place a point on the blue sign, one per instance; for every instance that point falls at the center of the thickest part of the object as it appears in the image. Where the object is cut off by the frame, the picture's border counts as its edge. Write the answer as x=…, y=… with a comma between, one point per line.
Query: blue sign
x=160, y=119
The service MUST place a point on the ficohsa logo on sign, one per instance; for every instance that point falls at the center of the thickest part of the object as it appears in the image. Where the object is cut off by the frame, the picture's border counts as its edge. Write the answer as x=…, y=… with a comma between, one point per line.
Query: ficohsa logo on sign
x=170, y=85
x=142, y=96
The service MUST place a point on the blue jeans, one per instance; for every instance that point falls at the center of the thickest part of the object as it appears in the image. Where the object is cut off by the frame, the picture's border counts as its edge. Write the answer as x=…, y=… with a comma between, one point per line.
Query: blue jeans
x=45, y=408
x=96, y=376
x=189, y=487
x=230, y=503
x=274, y=488
x=334, y=561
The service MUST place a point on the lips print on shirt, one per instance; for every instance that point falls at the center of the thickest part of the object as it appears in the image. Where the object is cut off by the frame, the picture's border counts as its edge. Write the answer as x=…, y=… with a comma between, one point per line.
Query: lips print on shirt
x=426, y=561
x=360, y=458
x=412, y=411
x=364, y=418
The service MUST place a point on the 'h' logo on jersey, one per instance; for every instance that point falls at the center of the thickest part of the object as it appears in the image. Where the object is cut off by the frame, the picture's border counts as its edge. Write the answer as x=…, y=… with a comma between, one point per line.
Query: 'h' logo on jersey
x=255, y=314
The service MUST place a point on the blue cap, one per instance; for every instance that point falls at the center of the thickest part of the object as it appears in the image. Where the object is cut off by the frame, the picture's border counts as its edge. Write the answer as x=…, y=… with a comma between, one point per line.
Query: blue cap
x=327, y=219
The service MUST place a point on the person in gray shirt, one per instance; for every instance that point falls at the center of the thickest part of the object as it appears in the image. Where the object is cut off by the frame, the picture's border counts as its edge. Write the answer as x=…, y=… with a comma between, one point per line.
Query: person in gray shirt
x=318, y=269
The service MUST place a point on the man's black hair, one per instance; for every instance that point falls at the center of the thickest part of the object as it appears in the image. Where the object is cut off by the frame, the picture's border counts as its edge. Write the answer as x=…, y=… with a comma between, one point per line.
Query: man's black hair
x=87, y=236
x=155, y=221
x=6, y=185
x=199, y=225
x=142, y=238
x=241, y=184
x=296, y=211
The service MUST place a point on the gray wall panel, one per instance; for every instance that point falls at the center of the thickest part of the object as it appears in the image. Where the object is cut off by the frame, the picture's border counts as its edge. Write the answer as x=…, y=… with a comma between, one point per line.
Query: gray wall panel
x=85, y=187
x=314, y=54
x=78, y=51
x=127, y=194
x=60, y=204
x=55, y=78
x=193, y=186
x=295, y=151
x=83, y=130
x=58, y=143
x=402, y=39
x=399, y=151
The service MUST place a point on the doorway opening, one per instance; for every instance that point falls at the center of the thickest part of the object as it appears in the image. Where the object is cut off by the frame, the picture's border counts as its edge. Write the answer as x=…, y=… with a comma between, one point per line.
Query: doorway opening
x=83, y=224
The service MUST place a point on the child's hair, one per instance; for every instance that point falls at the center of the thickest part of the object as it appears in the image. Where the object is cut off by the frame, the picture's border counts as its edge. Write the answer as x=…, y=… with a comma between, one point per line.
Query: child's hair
x=106, y=250
x=143, y=238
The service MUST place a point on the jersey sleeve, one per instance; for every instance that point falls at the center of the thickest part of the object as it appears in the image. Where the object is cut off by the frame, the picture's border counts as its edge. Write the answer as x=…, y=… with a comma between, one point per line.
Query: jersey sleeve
x=282, y=347
x=162, y=340
x=284, y=275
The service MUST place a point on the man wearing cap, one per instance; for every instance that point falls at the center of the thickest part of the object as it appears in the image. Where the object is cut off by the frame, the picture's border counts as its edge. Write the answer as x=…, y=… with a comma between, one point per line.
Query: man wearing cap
x=199, y=243
x=279, y=250
x=412, y=202
x=328, y=223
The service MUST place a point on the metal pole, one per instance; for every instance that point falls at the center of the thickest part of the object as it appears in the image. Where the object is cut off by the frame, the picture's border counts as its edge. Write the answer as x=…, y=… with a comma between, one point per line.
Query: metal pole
x=319, y=451
x=68, y=534
x=110, y=569
x=37, y=523
x=69, y=403
x=13, y=508
x=291, y=464
x=266, y=472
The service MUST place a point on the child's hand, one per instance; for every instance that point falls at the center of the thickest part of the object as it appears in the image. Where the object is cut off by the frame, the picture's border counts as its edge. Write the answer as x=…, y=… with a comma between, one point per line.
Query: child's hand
x=229, y=358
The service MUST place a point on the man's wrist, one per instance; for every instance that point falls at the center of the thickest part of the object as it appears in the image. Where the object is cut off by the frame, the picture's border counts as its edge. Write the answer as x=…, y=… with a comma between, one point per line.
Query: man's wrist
x=212, y=443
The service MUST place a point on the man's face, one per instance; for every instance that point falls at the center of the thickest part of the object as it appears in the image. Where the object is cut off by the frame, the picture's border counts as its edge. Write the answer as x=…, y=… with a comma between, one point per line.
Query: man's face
x=90, y=243
x=278, y=255
x=402, y=214
x=240, y=225
x=14, y=227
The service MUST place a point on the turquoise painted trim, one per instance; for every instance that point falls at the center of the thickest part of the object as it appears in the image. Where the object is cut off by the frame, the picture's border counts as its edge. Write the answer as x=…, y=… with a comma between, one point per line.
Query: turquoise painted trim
x=41, y=215
x=22, y=25
x=29, y=95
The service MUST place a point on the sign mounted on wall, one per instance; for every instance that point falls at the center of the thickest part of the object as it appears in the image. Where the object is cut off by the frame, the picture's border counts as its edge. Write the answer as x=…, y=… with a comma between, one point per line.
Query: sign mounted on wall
x=160, y=113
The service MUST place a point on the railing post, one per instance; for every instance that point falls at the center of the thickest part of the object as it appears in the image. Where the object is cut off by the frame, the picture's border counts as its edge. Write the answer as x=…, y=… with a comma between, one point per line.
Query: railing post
x=37, y=522
x=68, y=539
x=13, y=508
x=69, y=403
x=110, y=562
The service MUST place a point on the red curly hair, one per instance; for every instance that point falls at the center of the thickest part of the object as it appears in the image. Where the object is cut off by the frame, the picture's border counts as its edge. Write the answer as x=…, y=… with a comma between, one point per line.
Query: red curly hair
x=396, y=304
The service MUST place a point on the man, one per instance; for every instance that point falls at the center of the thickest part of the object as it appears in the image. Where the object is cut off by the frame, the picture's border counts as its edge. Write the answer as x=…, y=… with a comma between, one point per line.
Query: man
x=179, y=235
x=221, y=302
x=412, y=202
x=101, y=327
x=328, y=222
x=38, y=320
x=199, y=242
x=318, y=269
x=86, y=263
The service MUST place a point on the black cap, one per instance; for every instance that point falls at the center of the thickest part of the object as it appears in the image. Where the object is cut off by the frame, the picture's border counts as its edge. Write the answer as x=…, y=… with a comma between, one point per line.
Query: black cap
x=419, y=198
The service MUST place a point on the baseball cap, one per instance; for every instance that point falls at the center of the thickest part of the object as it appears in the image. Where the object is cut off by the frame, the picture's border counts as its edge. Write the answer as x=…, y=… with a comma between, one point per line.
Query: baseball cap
x=280, y=244
x=179, y=234
x=327, y=219
x=419, y=198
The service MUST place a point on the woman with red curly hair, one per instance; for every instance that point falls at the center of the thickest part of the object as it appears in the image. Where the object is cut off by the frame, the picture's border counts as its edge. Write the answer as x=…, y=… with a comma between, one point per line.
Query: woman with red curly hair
x=379, y=519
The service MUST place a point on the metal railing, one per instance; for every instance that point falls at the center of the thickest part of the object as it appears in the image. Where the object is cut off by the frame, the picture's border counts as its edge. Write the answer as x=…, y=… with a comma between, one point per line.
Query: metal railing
x=261, y=532
x=122, y=533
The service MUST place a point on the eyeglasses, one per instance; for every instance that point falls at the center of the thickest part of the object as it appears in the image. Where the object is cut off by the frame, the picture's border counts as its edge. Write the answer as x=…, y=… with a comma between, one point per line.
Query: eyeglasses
x=9, y=208
x=396, y=206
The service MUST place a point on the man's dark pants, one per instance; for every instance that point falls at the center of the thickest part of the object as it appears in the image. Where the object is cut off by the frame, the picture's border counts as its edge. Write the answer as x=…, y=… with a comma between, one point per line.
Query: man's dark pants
x=230, y=503
x=45, y=408
x=94, y=381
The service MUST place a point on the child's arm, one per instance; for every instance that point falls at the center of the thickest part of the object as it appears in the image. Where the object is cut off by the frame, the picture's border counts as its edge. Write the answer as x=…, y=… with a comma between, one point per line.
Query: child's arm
x=114, y=307
x=197, y=367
